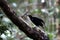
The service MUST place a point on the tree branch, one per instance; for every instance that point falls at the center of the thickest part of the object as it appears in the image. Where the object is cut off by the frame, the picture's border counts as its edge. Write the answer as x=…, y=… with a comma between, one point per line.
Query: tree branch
x=21, y=24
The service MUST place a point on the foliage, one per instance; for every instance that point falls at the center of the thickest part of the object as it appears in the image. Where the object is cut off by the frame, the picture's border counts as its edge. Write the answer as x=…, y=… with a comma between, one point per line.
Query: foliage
x=3, y=28
x=6, y=24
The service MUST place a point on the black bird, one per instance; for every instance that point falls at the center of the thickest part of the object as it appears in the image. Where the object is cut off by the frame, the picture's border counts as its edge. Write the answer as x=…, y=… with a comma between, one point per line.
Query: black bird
x=38, y=22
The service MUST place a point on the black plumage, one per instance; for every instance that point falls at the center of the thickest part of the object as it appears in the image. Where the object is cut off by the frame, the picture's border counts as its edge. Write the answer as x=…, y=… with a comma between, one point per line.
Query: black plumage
x=38, y=22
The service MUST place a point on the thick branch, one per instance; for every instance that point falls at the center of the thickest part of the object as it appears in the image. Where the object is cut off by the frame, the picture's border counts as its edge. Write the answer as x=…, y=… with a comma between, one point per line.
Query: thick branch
x=32, y=33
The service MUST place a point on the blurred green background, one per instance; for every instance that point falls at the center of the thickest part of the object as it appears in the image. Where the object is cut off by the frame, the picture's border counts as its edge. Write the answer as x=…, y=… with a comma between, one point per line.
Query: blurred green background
x=48, y=10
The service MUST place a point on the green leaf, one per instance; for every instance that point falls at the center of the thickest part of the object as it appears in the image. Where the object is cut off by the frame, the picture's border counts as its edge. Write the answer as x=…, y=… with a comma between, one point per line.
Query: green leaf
x=1, y=38
x=36, y=11
x=3, y=28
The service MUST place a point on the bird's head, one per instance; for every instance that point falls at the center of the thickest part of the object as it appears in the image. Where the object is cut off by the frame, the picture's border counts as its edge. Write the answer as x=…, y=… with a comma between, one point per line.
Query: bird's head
x=29, y=16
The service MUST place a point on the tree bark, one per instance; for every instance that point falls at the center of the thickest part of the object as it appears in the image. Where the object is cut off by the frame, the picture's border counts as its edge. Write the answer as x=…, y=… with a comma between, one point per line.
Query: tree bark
x=21, y=24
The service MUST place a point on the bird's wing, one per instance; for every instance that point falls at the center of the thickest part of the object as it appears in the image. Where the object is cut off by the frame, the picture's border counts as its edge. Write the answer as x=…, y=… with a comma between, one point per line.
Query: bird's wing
x=40, y=20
